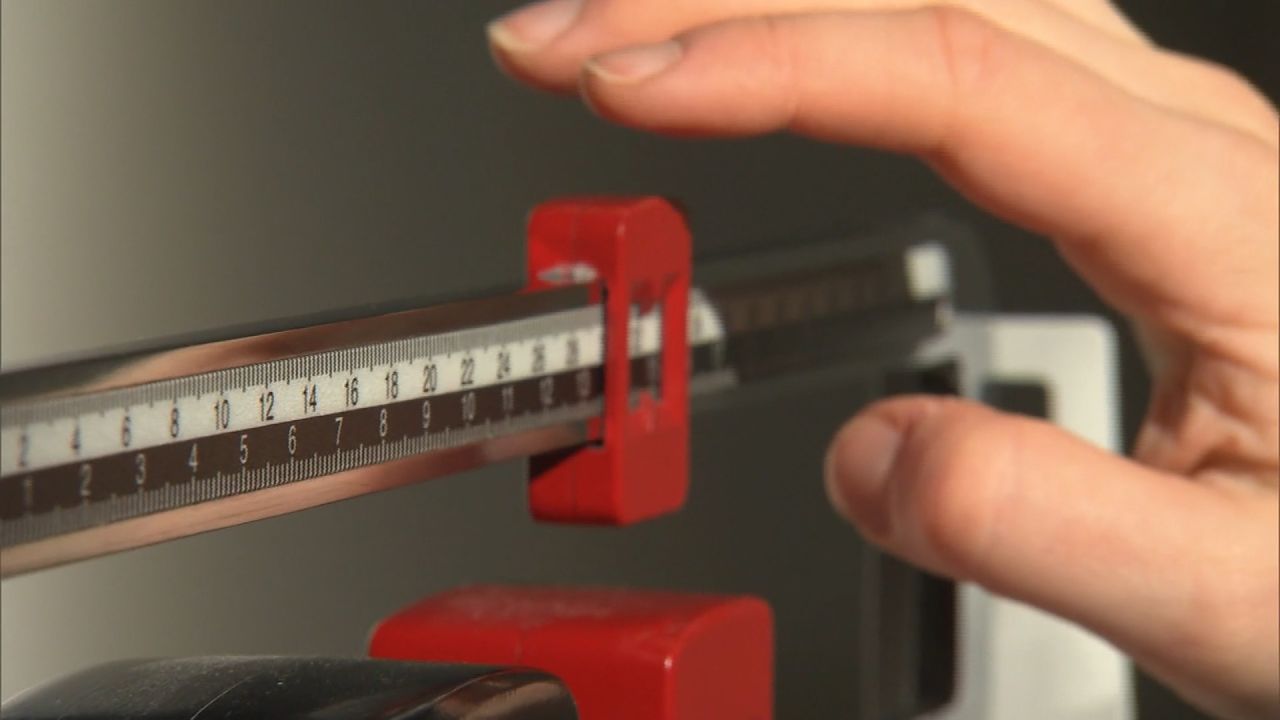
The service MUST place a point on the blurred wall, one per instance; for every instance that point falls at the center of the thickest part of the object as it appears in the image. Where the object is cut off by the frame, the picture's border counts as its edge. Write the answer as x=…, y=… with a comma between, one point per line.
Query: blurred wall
x=178, y=167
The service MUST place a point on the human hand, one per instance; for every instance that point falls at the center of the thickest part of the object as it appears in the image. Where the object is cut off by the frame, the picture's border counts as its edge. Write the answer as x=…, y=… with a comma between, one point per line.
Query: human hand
x=1156, y=176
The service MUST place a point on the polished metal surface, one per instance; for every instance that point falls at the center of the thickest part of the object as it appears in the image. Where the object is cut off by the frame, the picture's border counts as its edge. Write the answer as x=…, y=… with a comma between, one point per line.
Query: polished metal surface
x=130, y=487
x=512, y=695
x=119, y=493
x=184, y=518
x=338, y=688
x=179, y=358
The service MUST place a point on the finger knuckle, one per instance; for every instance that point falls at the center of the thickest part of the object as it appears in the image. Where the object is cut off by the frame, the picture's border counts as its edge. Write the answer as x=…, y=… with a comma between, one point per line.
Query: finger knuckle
x=1216, y=84
x=958, y=496
x=969, y=46
x=777, y=42
x=1225, y=607
x=1226, y=78
x=775, y=54
x=613, y=13
x=1238, y=92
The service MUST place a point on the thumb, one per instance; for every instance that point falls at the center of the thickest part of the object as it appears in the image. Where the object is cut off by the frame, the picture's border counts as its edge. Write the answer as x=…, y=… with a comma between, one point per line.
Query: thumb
x=1164, y=567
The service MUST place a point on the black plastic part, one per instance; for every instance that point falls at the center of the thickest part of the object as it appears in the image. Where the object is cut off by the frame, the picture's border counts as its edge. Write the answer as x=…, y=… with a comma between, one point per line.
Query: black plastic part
x=910, y=645
x=214, y=688
x=1028, y=398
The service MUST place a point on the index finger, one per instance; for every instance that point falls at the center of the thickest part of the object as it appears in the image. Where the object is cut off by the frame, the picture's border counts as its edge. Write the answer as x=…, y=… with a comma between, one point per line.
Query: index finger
x=1171, y=218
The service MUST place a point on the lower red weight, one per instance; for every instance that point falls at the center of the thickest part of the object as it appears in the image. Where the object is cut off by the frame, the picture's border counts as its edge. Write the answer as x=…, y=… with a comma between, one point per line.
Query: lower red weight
x=624, y=654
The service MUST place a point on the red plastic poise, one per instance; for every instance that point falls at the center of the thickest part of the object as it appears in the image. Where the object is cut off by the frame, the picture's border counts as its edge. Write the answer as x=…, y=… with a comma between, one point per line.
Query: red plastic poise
x=624, y=654
x=639, y=252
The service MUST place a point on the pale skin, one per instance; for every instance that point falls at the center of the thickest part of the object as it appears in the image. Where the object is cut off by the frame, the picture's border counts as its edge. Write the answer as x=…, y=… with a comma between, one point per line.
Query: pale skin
x=1155, y=176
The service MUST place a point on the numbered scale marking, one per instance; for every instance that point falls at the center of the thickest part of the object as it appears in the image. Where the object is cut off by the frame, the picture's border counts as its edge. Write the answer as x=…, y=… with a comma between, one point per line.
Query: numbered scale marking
x=83, y=461
x=82, y=464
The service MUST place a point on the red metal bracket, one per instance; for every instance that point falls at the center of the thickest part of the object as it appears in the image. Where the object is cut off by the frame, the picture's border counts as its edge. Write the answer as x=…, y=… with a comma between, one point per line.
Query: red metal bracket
x=624, y=654
x=638, y=250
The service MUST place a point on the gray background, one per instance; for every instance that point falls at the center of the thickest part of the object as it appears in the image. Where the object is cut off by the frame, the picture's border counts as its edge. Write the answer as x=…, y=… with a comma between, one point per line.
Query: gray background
x=179, y=167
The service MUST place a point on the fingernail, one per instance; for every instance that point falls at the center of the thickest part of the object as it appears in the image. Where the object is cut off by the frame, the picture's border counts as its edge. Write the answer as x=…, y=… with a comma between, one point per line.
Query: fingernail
x=636, y=63
x=857, y=470
x=534, y=26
